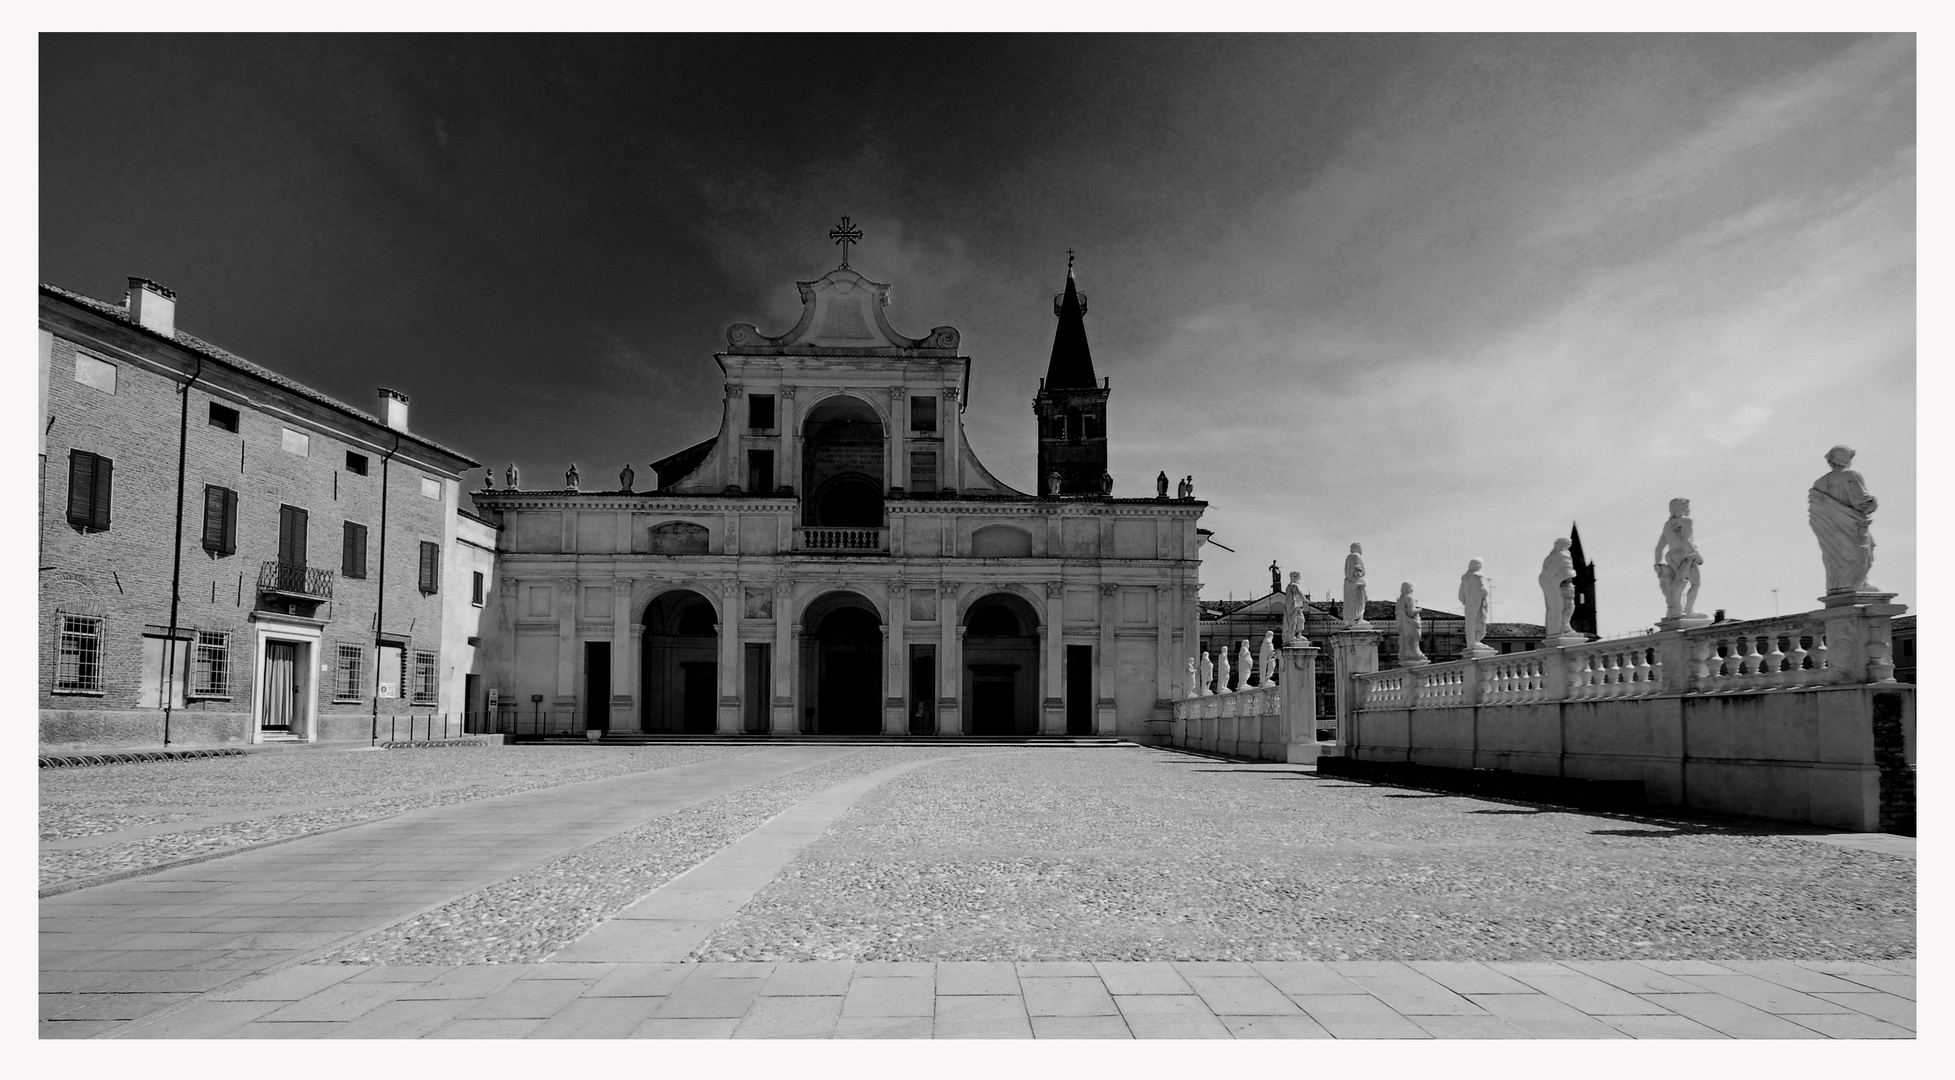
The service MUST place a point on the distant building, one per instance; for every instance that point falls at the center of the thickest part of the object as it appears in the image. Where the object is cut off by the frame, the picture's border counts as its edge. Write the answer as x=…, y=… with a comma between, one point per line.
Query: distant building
x=1904, y=669
x=272, y=513
x=837, y=561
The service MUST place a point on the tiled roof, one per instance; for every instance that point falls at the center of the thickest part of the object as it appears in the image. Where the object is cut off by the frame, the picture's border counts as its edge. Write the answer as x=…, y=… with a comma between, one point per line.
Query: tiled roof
x=232, y=360
x=1516, y=630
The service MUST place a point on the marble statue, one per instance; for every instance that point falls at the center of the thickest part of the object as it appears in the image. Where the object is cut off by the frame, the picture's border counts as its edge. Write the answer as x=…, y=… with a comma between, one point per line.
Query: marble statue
x=625, y=477
x=1408, y=627
x=1841, y=512
x=1194, y=679
x=1244, y=663
x=489, y=478
x=1476, y=598
x=1275, y=578
x=1677, y=560
x=1354, y=587
x=570, y=478
x=1191, y=485
x=1161, y=485
x=1106, y=483
x=1222, y=671
x=1557, y=581
x=1266, y=660
x=1052, y=482
x=511, y=477
x=1208, y=674
x=1295, y=613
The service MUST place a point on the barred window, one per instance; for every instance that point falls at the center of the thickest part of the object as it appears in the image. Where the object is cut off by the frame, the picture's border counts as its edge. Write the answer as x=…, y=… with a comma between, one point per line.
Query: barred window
x=211, y=672
x=350, y=673
x=425, y=690
x=78, y=655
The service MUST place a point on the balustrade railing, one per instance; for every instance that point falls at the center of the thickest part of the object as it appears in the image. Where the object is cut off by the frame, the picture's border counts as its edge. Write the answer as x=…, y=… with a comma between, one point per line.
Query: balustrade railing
x=1514, y=678
x=848, y=540
x=1615, y=668
x=1767, y=654
x=1383, y=690
x=1440, y=685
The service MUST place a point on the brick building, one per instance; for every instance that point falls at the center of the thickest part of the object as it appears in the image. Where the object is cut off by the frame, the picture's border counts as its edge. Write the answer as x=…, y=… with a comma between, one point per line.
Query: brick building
x=309, y=546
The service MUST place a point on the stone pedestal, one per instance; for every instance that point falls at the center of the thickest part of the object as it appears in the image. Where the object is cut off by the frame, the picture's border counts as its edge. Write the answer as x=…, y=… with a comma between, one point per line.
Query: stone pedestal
x=1479, y=651
x=1563, y=641
x=1683, y=622
x=1296, y=680
x=1859, y=598
x=1353, y=652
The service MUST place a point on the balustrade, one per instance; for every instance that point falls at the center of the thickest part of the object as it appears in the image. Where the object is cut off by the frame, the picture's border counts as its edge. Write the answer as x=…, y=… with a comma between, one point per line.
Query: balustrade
x=1765, y=654
x=1514, y=679
x=846, y=540
x=1622, y=668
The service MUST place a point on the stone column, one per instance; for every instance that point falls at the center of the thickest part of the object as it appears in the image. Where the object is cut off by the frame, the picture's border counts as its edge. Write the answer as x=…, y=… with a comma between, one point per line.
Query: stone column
x=564, y=706
x=950, y=424
x=950, y=664
x=734, y=461
x=509, y=594
x=624, y=660
x=1353, y=652
x=785, y=648
x=1297, y=683
x=790, y=453
x=1168, y=670
x=896, y=668
x=1105, y=720
x=728, y=720
x=1052, y=663
x=899, y=436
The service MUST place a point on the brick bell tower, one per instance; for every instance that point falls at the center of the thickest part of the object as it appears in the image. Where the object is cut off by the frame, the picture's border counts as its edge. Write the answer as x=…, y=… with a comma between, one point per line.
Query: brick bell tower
x=1071, y=404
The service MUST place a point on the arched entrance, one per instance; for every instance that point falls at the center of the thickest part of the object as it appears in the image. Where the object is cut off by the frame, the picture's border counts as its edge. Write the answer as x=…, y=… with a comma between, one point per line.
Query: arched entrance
x=1001, y=666
x=841, y=665
x=842, y=465
x=680, y=663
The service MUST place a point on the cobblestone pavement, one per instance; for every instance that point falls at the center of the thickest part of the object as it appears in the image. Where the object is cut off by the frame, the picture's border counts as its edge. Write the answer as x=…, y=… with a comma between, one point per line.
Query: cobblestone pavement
x=897, y=892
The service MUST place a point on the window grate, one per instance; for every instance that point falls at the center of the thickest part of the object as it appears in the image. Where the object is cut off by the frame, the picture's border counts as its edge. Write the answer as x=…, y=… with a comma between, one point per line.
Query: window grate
x=211, y=673
x=425, y=690
x=78, y=654
x=350, y=673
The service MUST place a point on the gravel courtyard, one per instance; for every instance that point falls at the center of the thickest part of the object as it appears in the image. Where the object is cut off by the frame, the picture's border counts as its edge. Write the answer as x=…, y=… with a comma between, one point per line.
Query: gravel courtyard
x=1136, y=854
x=1043, y=854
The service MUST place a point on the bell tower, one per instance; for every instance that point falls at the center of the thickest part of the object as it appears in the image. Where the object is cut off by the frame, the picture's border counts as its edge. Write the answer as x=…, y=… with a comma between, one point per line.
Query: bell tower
x=1071, y=404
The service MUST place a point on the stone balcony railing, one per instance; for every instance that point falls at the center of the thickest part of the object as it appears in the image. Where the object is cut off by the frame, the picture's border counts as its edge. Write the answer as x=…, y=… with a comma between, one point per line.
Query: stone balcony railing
x=841, y=541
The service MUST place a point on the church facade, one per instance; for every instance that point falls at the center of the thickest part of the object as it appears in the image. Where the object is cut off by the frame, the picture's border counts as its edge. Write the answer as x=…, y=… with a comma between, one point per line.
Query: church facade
x=837, y=560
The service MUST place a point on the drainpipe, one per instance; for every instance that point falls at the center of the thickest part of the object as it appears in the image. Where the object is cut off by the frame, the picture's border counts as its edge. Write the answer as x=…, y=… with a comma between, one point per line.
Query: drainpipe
x=380, y=604
x=176, y=570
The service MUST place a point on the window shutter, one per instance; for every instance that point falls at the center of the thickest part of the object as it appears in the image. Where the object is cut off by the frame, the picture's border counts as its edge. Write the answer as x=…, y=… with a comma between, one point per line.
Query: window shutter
x=230, y=521
x=81, y=488
x=213, y=518
x=104, y=482
x=291, y=535
x=353, y=551
x=430, y=566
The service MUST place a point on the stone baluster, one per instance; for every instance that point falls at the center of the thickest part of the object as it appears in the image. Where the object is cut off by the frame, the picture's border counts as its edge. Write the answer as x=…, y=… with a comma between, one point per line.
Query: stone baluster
x=1795, y=667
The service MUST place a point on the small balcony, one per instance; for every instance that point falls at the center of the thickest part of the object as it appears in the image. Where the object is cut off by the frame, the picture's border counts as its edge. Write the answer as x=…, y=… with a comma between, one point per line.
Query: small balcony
x=832, y=541
x=295, y=582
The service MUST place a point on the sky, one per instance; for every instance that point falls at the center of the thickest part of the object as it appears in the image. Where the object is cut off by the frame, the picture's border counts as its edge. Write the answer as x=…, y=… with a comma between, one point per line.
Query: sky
x=1440, y=295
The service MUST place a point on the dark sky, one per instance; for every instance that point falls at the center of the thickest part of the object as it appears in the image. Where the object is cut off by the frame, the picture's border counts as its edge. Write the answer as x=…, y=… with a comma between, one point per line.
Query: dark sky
x=1356, y=284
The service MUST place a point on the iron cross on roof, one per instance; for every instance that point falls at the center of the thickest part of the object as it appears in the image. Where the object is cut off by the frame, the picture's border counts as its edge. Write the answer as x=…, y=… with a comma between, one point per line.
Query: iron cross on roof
x=845, y=234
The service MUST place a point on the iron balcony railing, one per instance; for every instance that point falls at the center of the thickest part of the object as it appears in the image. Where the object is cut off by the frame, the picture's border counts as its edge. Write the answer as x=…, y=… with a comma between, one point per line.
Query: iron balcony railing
x=842, y=541
x=293, y=580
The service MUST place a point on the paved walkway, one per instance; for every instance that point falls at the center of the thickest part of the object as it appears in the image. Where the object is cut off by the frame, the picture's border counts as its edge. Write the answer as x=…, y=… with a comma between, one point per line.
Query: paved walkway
x=220, y=949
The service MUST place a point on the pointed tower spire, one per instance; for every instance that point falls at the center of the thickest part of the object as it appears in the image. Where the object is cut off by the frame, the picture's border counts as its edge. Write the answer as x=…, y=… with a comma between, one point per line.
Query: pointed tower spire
x=1584, y=620
x=1071, y=366
x=1072, y=406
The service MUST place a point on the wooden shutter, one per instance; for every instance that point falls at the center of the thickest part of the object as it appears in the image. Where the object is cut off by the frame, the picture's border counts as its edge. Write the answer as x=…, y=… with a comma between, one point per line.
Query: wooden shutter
x=81, y=488
x=353, y=551
x=291, y=536
x=430, y=566
x=220, y=520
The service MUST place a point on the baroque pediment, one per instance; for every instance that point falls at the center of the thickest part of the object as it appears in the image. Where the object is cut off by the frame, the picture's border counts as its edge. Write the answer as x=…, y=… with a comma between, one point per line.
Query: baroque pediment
x=841, y=312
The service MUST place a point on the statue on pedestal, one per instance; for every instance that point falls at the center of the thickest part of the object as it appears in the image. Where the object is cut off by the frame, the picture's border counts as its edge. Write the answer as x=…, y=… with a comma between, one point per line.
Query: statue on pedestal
x=1194, y=679
x=1476, y=597
x=1244, y=663
x=625, y=477
x=489, y=478
x=1266, y=659
x=1161, y=485
x=1222, y=671
x=1408, y=627
x=1295, y=615
x=570, y=478
x=1052, y=482
x=1677, y=561
x=1841, y=512
x=1557, y=581
x=1208, y=674
x=1354, y=587
x=1106, y=483
x=511, y=477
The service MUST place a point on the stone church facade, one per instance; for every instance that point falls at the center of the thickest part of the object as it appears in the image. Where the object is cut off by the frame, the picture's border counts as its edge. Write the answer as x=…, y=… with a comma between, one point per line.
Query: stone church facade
x=837, y=561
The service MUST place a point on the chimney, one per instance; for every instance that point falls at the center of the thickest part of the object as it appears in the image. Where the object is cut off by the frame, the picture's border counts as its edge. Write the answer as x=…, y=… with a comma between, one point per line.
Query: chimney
x=153, y=306
x=393, y=406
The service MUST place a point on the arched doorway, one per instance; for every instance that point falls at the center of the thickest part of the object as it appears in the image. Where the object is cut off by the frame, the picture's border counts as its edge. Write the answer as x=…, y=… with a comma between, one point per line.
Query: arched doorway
x=842, y=666
x=680, y=662
x=842, y=477
x=1001, y=666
